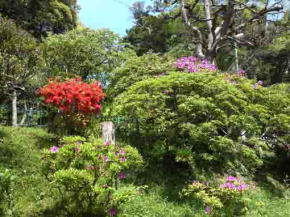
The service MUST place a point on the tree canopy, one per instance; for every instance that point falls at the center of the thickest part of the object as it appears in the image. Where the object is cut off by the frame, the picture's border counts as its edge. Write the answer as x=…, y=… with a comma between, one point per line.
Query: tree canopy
x=41, y=16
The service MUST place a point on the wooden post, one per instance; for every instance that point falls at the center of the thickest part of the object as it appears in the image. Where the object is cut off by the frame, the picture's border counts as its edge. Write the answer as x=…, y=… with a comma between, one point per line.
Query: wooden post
x=108, y=131
x=14, y=108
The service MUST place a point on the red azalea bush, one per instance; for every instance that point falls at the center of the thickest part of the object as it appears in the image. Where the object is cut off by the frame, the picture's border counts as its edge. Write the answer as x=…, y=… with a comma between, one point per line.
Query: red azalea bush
x=73, y=96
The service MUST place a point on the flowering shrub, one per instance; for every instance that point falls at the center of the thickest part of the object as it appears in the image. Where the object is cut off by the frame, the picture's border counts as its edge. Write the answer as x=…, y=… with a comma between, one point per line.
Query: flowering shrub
x=230, y=196
x=73, y=96
x=89, y=175
x=194, y=64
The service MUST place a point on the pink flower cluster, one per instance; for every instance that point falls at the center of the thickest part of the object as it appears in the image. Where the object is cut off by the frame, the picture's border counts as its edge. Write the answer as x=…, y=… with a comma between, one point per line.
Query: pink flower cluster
x=54, y=149
x=194, y=64
x=241, y=72
x=233, y=183
x=122, y=175
x=112, y=212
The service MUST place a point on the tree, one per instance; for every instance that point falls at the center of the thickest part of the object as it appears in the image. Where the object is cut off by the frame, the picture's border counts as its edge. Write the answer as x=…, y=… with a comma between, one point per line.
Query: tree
x=157, y=33
x=269, y=61
x=215, y=24
x=20, y=59
x=83, y=52
x=41, y=16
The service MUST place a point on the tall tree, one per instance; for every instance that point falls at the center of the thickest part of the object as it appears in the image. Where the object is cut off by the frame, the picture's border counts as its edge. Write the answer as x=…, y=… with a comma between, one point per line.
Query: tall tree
x=214, y=24
x=20, y=58
x=41, y=16
x=157, y=33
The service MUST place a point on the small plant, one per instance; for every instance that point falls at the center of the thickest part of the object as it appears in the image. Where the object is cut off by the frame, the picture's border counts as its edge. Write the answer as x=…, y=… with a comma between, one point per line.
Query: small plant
x=88, y=175
x=228, y=198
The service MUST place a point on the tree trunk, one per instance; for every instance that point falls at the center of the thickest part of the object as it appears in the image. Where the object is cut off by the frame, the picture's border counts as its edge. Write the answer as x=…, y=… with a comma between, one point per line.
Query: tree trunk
x=211, y=55
x=14, y=108
x=108, y=132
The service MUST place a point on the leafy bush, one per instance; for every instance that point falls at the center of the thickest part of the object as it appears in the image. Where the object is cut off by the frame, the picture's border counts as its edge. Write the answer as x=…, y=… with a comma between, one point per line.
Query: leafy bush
x=88, y=175
x=230, y=198
x=213, y=122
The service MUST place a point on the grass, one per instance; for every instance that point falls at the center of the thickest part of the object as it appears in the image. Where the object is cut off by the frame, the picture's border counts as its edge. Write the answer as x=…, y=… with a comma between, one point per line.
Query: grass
x=20, y=153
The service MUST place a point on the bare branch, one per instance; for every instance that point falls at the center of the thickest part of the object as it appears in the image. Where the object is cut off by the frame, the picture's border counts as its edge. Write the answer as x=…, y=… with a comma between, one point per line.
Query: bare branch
x=257, y=16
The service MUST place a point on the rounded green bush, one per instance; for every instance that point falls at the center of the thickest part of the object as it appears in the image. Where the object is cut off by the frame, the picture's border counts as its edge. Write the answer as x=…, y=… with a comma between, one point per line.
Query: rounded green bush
x=213, y=122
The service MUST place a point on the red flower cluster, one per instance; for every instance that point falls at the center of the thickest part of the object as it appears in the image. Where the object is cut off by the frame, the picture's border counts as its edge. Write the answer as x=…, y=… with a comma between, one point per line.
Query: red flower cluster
x=73, y=96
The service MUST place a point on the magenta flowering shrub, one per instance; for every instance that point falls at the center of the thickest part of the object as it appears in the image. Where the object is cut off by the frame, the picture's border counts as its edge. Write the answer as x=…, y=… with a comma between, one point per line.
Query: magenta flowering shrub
x=89, y=174
x=229, y=197
x=194, y=64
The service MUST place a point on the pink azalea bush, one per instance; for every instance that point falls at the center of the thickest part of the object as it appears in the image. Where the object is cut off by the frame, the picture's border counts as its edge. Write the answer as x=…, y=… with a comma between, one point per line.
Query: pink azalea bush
x=229, y=196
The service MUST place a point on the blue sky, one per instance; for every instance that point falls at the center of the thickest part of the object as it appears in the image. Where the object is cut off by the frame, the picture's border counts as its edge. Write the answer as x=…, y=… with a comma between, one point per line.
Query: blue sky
x=112, y=14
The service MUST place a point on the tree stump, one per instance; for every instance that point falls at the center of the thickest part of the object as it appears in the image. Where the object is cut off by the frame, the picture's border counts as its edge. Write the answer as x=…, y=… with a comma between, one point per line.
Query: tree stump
x=108, y=131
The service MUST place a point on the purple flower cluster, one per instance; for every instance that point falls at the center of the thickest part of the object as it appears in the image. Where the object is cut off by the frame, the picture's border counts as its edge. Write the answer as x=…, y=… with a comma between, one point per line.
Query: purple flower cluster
x=241, y=72
x=112, y=212
x=123, y=159
x=122, y=175
x=231, y=179
x=233, y=183
x=106, y=159
x=258, y=84
x=194, y=64
x=108, y=143
x=54, y=149
x=208, y=209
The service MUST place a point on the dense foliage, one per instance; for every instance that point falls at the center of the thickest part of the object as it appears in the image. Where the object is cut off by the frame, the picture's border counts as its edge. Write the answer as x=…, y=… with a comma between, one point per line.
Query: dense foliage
x=90, y=54
x=41, y=16
x=215, y=122
x=20, y=63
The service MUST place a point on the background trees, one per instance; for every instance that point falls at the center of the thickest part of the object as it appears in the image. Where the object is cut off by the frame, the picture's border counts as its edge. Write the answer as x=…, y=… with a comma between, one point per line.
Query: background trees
x=41, y=16
x=214, y=24
x=83, y=52
x=20, y=59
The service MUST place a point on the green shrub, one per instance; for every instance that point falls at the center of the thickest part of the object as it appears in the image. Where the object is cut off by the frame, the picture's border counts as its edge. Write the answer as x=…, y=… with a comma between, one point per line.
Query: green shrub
x=89, y=175
x=213, y=122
